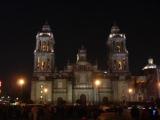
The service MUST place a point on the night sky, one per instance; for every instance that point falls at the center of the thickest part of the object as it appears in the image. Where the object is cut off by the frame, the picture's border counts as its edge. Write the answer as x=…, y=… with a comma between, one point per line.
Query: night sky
x=74, y=24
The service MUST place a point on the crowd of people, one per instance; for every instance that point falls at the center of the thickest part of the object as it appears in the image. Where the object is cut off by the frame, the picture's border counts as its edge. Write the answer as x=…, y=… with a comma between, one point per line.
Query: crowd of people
x=48, y=112
x=78, y=112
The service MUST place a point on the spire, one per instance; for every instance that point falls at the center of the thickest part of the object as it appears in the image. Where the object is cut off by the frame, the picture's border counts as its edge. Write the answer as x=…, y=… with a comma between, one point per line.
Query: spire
x=115, y=28
x=82, y=54
x=46, y=27
x=69, y=66
x=82, y=49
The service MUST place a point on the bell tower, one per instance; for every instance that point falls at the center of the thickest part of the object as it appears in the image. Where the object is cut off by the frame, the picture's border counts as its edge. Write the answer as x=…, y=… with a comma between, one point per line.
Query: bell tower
x=44, y=52
x=44, y=58
x=118, y=54
x=118, y=63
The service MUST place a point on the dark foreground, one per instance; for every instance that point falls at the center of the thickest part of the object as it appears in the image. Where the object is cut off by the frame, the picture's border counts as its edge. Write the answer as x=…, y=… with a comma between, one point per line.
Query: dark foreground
x=78, y=112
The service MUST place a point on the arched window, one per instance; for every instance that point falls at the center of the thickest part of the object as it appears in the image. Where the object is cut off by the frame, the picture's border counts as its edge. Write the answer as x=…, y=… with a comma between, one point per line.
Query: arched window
x=120, y=65
x=44, y=46
x=122, y=46
x=124, y=63
x=38, y=63
x=118, y=48
x=43, y=64
x=48, y=49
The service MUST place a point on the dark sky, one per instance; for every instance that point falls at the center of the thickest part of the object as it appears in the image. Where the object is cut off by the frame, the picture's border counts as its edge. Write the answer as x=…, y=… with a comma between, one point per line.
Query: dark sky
x=74, y=24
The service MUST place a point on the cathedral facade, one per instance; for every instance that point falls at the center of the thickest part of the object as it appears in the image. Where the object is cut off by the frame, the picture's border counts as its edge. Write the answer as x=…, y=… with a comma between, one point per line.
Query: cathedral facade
x=80, y=80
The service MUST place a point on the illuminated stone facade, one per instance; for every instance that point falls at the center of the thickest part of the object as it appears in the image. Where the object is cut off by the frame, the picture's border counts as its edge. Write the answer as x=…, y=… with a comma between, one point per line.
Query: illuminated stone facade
x=118, y=54
x=152, y=83
x=118, y=64
x=43, y=65
x=77, y=81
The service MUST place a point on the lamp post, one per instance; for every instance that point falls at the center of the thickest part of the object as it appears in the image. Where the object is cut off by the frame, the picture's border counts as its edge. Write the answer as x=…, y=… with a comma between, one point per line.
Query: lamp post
x=45, y=93
x=130, y=91
x=158, y=89
x=21, y=83
x=97, y=84
x=158, y=80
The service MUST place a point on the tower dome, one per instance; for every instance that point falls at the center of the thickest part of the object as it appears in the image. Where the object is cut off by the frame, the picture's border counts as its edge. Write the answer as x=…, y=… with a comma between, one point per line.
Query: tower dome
x=82, y=54
x=46, y=27
x=115, y=28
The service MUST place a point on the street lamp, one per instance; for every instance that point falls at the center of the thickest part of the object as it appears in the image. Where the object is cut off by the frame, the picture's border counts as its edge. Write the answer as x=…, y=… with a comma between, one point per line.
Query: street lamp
x=158, y=89
x=21, y=83
x=97, y=84
x=130, y=91
x=45, y=93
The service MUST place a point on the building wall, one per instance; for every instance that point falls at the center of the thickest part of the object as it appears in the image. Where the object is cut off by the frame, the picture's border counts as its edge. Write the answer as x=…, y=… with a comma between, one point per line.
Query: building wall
x=83, y=72
x=37, y=91
x=106, y=89
x=70, y=90
x=88, y=92
x=120, y=89
x=60, y=89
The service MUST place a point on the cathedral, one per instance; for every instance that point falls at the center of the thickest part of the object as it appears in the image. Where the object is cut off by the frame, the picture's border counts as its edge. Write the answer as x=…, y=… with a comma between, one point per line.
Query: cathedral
x=81, y=80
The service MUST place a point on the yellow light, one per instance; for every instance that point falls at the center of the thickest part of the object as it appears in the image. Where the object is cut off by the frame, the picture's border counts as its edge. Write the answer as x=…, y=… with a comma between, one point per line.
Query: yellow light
x=41, y=86
x=42, y=63
x=130, y=90
x=21, y=81
x=41, y=91
x=41, y=97
x=45, y=90
x=97, y=83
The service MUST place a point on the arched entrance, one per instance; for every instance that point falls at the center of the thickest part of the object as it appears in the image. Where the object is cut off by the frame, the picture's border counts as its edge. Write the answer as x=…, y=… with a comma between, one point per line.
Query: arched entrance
x=83, y=99
x=105, y=100
x=60, y=101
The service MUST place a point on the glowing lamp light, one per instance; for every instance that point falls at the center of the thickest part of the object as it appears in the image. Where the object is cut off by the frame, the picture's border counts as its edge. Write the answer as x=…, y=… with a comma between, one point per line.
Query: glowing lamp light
x=45, y=90
x=97, y=83
x=21, y=82
x=41, y=86
x=130, y=90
